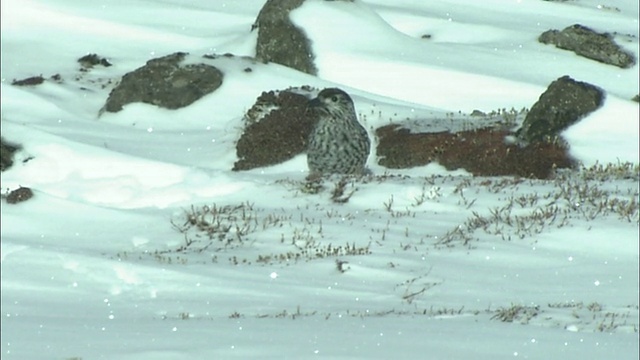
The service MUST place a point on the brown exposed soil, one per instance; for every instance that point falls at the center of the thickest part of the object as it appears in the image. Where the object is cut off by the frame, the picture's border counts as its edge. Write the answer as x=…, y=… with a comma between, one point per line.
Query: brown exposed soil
x=482, y=152
x=279, y=135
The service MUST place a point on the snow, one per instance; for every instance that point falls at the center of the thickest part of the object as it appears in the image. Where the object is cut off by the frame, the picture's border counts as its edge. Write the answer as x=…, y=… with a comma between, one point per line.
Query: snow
x=91, y=266
x=607, y=126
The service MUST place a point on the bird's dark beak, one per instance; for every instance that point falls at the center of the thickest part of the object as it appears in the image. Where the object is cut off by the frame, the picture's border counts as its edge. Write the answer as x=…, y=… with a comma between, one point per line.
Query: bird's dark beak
x=314, y=103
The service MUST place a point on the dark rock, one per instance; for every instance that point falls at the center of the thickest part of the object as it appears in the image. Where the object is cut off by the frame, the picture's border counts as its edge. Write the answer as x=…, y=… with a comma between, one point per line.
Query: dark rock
x=590, y=44
x=482, y=152
x=279, y=40
x=563, y=103
x=636, y=98
x=19, y=195
x=34, y=80
x=6, y=154
x=278, y=127
x=165, y=82
x=91, y=60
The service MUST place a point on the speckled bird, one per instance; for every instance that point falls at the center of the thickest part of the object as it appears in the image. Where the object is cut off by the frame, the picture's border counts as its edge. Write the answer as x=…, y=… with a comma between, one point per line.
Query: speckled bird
x=338, y=144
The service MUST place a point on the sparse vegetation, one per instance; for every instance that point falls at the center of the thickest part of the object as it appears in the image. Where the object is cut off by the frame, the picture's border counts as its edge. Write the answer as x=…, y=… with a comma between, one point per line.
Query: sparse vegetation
x=211, y=229
x=573, y=316
x=520, y=313
x=229, y=225
x=340, y=194
x=341, y=265
x=416, y=287
x=509, y=208
x=575, y=195
x=572, y=195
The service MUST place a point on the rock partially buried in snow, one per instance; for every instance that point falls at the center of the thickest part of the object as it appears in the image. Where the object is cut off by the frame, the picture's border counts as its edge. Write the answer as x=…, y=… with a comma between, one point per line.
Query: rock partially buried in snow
x=279, y=40
x=166, y=82
x=90, y=60
x=277, y=128
x=590, y=44
x=6, y=154
x=563, y=103
x=19, y=195
x=30, y=81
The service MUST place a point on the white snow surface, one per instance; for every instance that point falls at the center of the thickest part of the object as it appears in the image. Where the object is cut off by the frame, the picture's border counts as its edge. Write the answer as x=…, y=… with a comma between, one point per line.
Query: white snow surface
x=95, y=267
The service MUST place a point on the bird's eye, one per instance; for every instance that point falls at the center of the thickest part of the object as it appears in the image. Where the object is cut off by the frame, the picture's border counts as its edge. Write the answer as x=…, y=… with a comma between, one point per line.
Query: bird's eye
x=334, y=98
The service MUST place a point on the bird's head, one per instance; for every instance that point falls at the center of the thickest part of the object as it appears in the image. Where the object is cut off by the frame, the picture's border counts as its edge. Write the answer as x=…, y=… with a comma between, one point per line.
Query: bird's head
x=334, y=102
